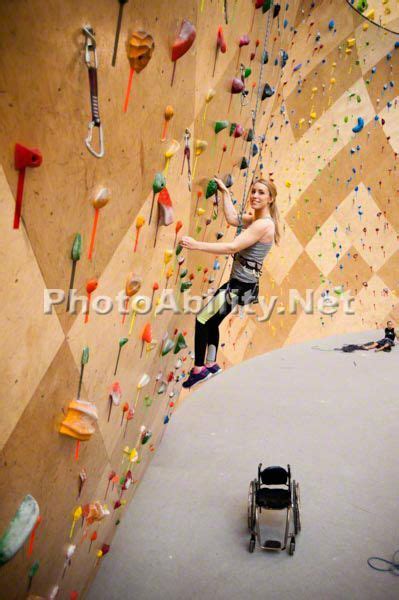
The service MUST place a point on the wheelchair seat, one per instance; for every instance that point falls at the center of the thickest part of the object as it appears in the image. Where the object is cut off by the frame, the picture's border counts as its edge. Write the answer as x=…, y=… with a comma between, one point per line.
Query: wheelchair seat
x=273, y=498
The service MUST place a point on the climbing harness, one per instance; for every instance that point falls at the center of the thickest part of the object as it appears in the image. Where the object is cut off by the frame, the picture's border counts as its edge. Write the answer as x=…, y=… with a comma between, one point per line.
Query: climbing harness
x=252, y=265
x=187, y=155
x=92, y=65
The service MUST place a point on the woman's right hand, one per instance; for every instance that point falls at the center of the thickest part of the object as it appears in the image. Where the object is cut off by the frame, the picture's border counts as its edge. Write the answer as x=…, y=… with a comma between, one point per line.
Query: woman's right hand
x=220, y=184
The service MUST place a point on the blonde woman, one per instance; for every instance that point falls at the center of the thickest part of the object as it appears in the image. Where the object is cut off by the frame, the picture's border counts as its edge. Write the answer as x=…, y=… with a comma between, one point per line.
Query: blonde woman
x=249, y=248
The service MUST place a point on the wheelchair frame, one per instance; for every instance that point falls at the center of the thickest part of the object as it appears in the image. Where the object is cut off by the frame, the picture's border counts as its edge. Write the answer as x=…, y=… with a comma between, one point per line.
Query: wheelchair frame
x=255, y=510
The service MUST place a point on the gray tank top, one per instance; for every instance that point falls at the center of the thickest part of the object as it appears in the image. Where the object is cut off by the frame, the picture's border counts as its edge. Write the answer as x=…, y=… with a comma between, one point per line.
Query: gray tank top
x=256, y=253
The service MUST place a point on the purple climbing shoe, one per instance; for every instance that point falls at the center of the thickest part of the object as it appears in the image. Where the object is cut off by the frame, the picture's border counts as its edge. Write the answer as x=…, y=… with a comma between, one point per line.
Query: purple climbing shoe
x=195, y=378
x=215, y=369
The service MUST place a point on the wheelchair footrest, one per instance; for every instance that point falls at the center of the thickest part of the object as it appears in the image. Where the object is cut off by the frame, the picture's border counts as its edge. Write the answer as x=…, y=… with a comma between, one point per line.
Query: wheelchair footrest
x=273, y=544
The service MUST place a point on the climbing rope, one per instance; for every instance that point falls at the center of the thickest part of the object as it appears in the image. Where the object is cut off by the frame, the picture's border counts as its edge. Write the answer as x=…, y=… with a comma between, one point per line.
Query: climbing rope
x=393, y=565
x=255, y=111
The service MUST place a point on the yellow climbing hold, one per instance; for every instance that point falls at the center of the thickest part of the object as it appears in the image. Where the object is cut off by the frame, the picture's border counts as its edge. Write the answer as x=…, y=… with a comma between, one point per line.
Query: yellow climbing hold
x=313, y=115
x=288, y=184
x=351, y=42
x=370, y=14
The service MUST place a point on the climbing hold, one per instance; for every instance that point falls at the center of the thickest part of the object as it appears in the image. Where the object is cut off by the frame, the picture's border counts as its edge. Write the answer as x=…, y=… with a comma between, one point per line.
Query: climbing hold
x=158, y=184
x=19, y=528
x=165, y=211
x=139, y=224
x=140, y=50
x=23, y=158
x=169, y=153
x=80, y=420
x=211, y=189
x=268, y=91
x=168, y=115
x=244, y=163
x=228, y=180
x=237, y=86
x=220, y=125
x=75, y=256
x=359, y=126
x=182, y=43
x=180, y=344
x=100, y=200
x=220, y=46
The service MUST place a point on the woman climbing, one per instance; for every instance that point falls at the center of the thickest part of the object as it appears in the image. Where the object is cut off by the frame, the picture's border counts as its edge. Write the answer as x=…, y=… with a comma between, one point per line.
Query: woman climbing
x=249, y=249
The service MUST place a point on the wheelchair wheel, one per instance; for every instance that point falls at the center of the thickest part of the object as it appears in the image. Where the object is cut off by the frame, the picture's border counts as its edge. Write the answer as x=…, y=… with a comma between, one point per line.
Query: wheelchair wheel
x=251, y=506
x=297, y=515
x=291, y=547
x=251, y=547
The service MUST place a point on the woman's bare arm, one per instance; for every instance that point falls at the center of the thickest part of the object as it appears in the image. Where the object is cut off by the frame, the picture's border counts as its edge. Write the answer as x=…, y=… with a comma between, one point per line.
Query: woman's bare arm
x=247, y=238
x=228, y=207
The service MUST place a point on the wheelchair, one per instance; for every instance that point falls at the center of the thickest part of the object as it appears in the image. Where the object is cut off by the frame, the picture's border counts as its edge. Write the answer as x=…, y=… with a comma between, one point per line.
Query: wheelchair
x=262, y=498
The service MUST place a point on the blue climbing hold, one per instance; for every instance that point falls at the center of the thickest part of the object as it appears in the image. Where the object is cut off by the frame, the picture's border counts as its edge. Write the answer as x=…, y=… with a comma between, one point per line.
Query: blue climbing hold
x=331, y=25
x=359, y=126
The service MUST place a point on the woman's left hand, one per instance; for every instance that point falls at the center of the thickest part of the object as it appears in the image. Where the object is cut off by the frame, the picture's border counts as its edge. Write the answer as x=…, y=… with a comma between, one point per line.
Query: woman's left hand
x=189, y=243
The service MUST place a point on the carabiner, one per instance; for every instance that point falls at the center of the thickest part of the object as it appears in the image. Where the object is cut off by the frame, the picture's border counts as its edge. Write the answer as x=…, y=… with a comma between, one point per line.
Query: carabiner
x=92, y=64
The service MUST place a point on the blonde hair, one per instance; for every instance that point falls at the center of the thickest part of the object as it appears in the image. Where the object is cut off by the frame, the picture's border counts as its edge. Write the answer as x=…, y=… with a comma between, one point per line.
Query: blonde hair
x=274, y=213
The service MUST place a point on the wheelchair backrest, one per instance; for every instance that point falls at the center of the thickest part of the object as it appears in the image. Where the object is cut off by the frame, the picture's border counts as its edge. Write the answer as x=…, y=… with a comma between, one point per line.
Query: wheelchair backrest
x=274, y=476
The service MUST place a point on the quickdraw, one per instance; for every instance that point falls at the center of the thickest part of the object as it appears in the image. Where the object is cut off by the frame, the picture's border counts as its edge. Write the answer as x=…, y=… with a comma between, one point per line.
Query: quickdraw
x=92, y=65
x=244, y=94
x=187, y=155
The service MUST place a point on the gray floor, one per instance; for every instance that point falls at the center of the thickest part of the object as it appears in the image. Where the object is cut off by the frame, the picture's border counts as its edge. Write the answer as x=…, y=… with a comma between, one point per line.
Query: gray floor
x=334, y=418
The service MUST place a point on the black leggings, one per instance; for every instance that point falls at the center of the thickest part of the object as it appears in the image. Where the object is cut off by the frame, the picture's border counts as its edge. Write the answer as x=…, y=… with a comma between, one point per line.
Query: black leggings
x=213, y=313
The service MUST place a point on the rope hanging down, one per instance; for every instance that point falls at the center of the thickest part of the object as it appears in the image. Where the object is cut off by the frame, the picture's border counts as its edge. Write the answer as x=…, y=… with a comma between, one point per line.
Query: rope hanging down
x=255, y=111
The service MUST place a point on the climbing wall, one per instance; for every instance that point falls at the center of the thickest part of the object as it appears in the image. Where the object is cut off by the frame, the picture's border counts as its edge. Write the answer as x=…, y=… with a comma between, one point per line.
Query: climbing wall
x=329, y=71
x=331, y=146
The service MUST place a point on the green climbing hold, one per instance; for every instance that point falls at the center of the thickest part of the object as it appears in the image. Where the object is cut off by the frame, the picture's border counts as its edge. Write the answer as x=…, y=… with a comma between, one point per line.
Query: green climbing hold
x=244, y=163
x=76, y=247
x=180, y=344
x=232, y=128
x=266, y=6
x=33, y=570
x=85, y=356
x=250, y=135
x=185, y=286
x=179, y=248
x=19, y=528
x=247, y=72
x=220, y=125
x=183, y=273
x=211, y=188
x=147, y=401
x=159, y=183
x=362, y=5
x=123, y=341
x=146, y=436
